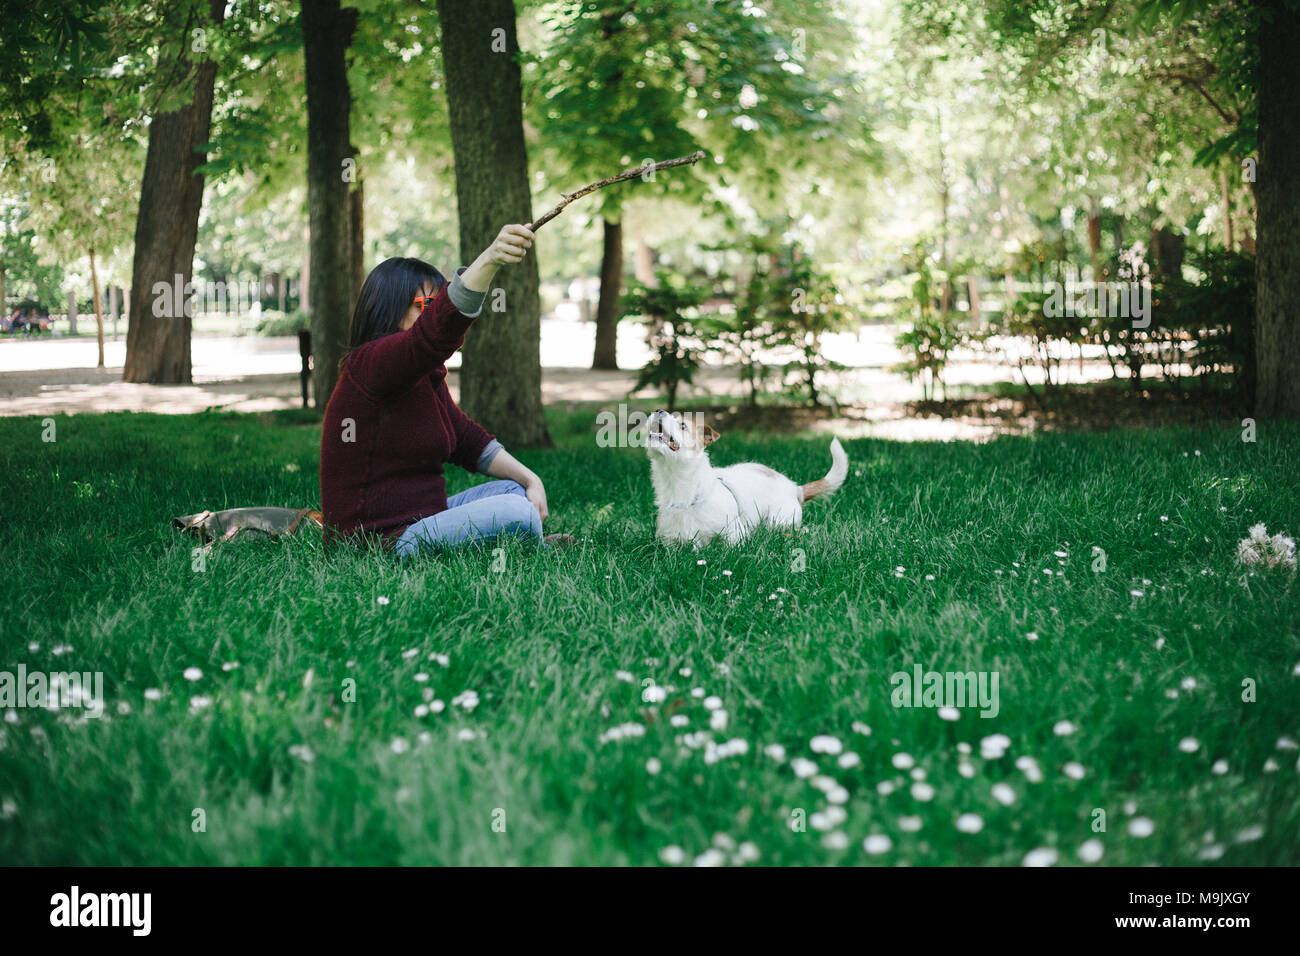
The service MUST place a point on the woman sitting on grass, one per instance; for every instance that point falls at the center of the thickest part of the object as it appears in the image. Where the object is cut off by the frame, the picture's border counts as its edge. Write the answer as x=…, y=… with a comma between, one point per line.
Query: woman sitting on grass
x=391, y=425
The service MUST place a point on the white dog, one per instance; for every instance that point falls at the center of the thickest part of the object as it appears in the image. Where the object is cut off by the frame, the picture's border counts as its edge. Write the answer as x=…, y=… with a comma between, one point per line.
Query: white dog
x=697, y=502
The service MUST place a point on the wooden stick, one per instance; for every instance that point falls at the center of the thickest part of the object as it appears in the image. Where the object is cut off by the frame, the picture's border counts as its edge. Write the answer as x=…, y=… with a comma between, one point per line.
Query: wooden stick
x=621, y=177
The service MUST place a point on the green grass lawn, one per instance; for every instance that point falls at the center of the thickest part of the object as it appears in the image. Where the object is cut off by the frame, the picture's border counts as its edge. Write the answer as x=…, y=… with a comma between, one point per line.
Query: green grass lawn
x=559, y=648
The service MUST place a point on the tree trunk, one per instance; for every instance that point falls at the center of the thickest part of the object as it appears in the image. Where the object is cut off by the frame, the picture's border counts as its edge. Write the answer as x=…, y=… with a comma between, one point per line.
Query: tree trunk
x=99, y=312
x=72, y=313
x=644, y=263
x=357, y=241
x=1227, y=209
x=1094, y=243
x=1277, y=275
x=326, y=35
x=611, y=288
x=1166, y=254
x=304, y=276
x=166, y=228
x=501, y=372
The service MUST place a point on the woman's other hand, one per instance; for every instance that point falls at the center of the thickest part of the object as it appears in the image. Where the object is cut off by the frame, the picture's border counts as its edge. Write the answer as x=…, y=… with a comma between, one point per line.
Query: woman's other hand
x=535, y=492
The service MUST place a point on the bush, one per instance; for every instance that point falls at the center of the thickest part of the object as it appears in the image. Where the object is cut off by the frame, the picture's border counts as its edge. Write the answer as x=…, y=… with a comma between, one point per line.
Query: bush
x=673, y=337
x=934, y=332
x=284, y=323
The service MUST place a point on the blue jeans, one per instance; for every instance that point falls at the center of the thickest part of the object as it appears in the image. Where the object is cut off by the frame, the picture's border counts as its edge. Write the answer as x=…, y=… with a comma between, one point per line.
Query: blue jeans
x=486, y=511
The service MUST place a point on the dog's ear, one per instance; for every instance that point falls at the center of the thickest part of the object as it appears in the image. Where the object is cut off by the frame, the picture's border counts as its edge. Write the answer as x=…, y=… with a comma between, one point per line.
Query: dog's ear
x=708, y=436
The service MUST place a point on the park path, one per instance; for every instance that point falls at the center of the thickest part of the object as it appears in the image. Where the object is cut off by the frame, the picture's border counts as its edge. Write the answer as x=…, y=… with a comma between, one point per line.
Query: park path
x=252, y=374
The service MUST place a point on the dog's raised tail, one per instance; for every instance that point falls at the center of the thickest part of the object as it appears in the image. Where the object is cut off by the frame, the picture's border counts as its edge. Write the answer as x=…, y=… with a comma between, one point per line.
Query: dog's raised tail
x=834, y=478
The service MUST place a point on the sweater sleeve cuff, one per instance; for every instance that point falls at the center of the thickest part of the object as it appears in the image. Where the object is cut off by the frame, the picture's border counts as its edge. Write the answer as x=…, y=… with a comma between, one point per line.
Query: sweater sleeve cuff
x=467, y=302
x=486, y=455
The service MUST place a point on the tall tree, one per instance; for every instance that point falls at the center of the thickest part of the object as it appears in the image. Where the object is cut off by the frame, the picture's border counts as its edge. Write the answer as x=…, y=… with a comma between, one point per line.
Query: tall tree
x=501, y=370
x=158, y=337
x=622, y=86
x=1277, y=275
x=327, y=32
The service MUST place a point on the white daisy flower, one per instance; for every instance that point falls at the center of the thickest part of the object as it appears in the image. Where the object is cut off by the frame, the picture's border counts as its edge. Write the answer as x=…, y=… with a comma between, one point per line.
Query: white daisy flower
x=803, y=767
x=877, y=844
x=903, y=761
x=970, y=823
x=672, y=855
x=838, y=840
x=825, y=744
x=1043, y=856
x=622, y=732
x=1029, y=767
x=1189, y=745
x=994, y=746
x=1141, y=827
x=192, y=673
x=1090, y=851
x=1003, y=794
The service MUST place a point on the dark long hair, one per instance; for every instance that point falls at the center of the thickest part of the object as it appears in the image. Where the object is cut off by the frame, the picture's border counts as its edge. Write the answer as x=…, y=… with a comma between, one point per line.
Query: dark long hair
x=386, y=295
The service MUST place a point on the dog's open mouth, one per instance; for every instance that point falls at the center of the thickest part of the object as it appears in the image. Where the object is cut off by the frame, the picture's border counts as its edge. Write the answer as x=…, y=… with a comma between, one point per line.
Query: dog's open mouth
x=658, y=435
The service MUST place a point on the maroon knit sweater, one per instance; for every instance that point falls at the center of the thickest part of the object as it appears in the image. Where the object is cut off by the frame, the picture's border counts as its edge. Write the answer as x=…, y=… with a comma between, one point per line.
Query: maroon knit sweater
x=391, y=425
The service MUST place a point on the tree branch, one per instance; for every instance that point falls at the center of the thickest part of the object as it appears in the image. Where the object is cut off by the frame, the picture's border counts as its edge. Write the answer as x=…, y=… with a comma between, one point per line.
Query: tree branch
x=632, y=173
x=1196, y=85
